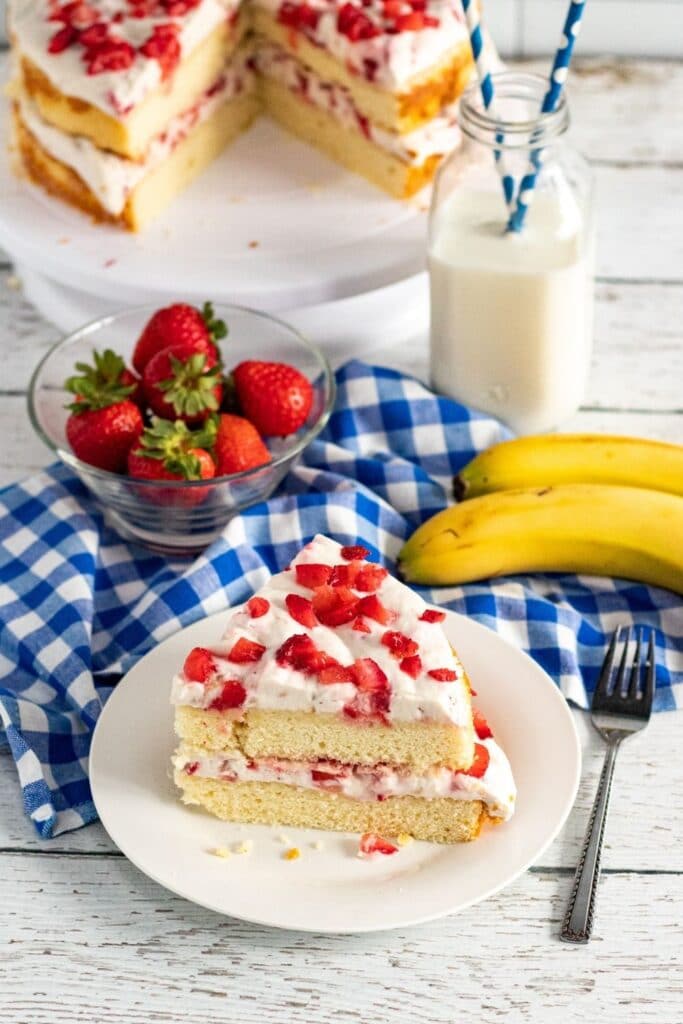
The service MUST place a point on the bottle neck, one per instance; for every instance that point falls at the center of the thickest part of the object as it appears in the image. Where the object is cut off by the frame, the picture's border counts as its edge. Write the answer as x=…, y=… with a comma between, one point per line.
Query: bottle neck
x=514, y=121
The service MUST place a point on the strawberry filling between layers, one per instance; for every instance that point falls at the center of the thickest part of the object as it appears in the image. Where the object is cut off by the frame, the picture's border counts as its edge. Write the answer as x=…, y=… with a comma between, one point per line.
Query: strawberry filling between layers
x=437, y=137
x=112, y=178
x=495, y=787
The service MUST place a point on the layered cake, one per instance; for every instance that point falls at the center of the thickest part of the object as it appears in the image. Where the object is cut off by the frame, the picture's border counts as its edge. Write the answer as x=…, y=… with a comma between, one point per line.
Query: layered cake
x=118, y=104
x=335, y=701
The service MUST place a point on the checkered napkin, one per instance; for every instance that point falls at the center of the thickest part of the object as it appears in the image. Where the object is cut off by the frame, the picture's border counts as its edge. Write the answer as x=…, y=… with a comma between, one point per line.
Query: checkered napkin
x=77, y=603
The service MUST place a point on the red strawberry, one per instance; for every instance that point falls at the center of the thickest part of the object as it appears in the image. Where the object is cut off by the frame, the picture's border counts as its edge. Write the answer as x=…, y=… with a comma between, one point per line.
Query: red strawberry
x=334, y=606
x=276, y=397
x=481, y=726
x=238, y=445
x=62, y=39
x=372, y=843
x=368, y=676
x=354, y=551
x=480, y=762
x=400, y=645
x=182, y=382
x=443, y=675
x=257, y=606
x=244, y=651
x=233, y=695
x=312, y=575
x=178, y=323
x=344, y=575
x=361, y=626
x=412, y=666
x=199, y=665
x=322, y=775
x=335, y=674
x=432, y=615
x=372, y=700
x=164, y=46
x=171, y=451
x=111, y=55
x=370, y=578
x=301, y=610
x=374, y=609
x=300, y=653
x=191, y=767
x=105, y=422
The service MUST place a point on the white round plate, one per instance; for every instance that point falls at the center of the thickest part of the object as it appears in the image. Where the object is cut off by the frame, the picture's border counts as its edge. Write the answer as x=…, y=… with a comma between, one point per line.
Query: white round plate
x=331, y=890
x=271, y=224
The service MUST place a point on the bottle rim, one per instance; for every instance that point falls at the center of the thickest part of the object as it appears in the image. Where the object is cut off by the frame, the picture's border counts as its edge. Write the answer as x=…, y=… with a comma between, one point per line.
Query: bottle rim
x=488, y=127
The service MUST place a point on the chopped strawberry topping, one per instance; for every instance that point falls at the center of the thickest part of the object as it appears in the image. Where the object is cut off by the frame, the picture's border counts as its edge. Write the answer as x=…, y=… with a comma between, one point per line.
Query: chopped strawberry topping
x=354, y=24
x=370, y=578
x=354, y=551
x=361, y=626
x=199, y=665
x=432, y=615
x=312, y=575
x=344, y=575
x=300, y=653
x=299, y=16
x=481, y=726
x=163, y=46
x=318, y=775
x=335, y=674
x=233, y=695
x=62, y=39
x=480, y=762
x=111, y=55
x=301, y=610
x=443, y=675
x=244, y=651
x=368, y=676
x=374, y=609
x=334, y=606
x=372, y=843
x=400, y=645
x=372, y=700
x=191, y=767
x=412, y=666
x=94, y=35
x=257, y=606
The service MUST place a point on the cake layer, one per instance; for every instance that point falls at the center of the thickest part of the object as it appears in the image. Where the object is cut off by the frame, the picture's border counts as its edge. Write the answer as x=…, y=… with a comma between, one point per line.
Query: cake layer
x=130, y=132
x=397, y=105
x=271, y=803
x=300, y=735
x=348, y=146
x=147, y=188
x=364, y=782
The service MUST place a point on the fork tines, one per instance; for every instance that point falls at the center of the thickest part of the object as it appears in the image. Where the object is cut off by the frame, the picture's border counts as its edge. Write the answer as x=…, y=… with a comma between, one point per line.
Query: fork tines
x=613, y=686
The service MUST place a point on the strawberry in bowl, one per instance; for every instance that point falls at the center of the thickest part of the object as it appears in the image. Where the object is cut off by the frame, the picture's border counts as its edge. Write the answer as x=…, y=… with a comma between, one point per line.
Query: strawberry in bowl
x=177, y=418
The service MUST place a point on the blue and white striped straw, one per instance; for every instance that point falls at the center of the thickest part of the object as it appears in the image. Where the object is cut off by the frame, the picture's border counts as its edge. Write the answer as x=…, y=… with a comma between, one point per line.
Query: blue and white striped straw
x=558, y=76
x=470, y=8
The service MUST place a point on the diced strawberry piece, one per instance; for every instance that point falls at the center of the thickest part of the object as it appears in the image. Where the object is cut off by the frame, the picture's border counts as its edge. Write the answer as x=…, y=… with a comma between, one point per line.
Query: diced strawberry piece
x=412, y=22
x=368, y=676
x=412, y=666
x=344, y=575
x=392, y=8
x=95, y=35
x=334, y=606
x=199, y=665
x=400, y=645
x=244, y=651
x=257, y=606
x=112, y=55
x=300, y=653
x=312, y=575
x=481, y=726
x=480, y=762
x=62, y=39
x=335, y=674
x=430, y=21
x=372, y=700
x=318, y=775
x=233, y=695
x=191, y=767
x=443, y=675
x=301, y=610
x=352, y=552
x=374, y=609
x=432, y=615
x=370, y=578
x=361, y=626
x=372, y=843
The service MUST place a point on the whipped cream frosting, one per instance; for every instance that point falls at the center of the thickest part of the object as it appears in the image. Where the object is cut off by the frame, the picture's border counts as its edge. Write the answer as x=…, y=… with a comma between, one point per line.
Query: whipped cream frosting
x=112, y=178
x=388, y=60
x=496, y=787
x=117, y=93
x=437, y=137
x=277, y=687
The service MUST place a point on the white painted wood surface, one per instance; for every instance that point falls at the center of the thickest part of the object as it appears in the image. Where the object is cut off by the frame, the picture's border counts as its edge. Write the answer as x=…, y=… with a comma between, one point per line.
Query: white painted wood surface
x=84, y=937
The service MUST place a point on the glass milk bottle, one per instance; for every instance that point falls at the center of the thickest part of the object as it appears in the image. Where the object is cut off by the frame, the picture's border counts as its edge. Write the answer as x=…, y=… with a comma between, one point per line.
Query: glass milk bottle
x=512, y=314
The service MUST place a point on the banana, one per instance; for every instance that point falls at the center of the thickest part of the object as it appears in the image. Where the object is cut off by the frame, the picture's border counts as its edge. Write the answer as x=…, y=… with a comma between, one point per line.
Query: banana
x=588, y=528
x=573, y=458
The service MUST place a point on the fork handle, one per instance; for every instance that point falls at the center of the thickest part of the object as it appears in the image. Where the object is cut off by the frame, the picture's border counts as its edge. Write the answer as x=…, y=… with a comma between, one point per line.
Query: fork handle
x=578, y=921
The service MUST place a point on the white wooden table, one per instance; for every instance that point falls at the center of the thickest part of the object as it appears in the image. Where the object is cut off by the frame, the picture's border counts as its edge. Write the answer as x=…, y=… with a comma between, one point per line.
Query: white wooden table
x=85, y=937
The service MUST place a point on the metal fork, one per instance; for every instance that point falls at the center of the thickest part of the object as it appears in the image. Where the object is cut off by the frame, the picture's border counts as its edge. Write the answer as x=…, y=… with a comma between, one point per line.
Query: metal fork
x=618, y=710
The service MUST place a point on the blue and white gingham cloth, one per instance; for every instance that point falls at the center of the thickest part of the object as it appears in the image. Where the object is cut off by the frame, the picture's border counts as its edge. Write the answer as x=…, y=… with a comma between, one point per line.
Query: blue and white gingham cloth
x=77, y=602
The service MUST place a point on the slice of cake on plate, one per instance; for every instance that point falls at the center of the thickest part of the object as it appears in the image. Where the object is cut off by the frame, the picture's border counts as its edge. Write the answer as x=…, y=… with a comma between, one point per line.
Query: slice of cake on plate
x=334, y=701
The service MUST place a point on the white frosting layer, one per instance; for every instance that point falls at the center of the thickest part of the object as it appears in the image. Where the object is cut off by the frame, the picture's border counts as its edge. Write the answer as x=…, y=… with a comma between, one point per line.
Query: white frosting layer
x=275, y=687
x=496, y=788
x=391, y=61
x=112, y=178
x=437, y=137
x=114, y=92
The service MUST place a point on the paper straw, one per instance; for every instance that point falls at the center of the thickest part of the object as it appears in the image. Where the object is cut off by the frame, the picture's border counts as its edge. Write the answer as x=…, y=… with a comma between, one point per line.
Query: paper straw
x=470, y=8
x=558, y=76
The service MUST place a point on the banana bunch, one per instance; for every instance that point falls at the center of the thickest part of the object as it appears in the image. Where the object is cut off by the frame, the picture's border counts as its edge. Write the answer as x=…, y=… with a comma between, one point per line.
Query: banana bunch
x=607, y=506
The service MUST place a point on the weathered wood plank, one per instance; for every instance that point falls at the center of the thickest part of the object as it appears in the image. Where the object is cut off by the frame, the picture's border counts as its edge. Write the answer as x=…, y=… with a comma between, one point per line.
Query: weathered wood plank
x=645, y=823
x=91, y=939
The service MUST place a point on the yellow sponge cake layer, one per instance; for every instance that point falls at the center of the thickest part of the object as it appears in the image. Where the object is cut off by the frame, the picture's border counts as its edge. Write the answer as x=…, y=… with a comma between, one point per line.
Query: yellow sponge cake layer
x=271, y=803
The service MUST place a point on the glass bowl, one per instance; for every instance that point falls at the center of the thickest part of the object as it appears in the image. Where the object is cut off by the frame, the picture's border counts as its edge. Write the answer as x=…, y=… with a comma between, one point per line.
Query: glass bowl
x=179, y=517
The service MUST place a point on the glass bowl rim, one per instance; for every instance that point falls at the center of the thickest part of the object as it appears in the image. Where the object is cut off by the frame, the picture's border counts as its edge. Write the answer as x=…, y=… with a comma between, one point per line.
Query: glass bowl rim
x=106, y=475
